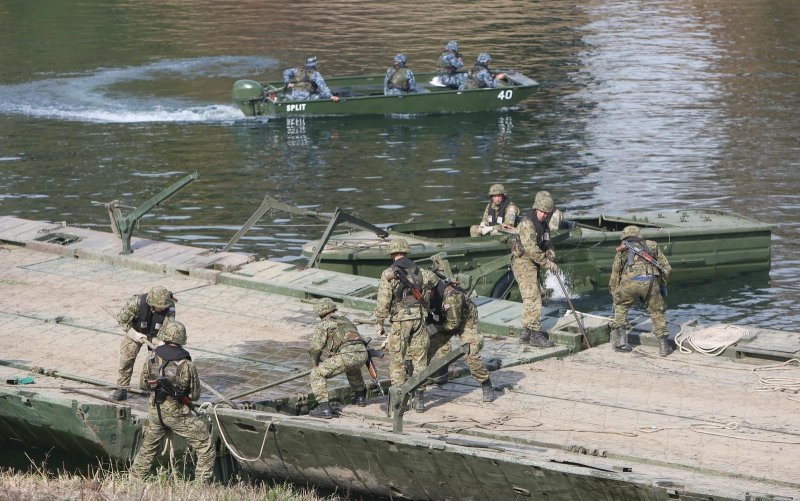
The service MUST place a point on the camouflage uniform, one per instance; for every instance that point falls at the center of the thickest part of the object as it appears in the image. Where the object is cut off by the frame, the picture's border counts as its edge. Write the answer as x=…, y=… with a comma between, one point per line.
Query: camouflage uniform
x=340, y=337
x=494, y=215
x=399, y=79
x=408, y=339
x=306, y=84
x=480, y=77
x=532, y=251
x=448, y=67
x=173, y=415
x=129, y=348
x=633, y=278
x=459, y=317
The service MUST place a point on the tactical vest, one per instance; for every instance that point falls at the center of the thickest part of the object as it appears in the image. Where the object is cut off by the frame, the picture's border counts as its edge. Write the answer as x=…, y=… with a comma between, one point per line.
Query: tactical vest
x=466, y=304
x=498, y=216
x=399, y=79
x=346, y=332
x=403, y=297
x=147, y=321
x=634, y=265
x=472, y=81
x=542, y=231
x=305, y=83
x=445, y=67
x=165, y=373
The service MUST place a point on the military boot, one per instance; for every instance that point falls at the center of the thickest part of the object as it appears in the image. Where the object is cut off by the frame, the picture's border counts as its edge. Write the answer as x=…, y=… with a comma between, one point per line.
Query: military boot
x=665, y=347
x=524, y=335
x=323, y=411
x=360, y=398
x=488, y=391
x=419, y=401
x=619, y=340
x=539, y=340
x=120, y=394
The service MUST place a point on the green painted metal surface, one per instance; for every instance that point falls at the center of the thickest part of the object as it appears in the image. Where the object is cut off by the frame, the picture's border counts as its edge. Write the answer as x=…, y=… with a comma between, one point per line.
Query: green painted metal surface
x=700, y=244
x=363, y=95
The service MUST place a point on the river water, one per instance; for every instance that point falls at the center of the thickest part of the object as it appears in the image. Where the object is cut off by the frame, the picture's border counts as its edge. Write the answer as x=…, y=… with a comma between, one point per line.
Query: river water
x=643, y=105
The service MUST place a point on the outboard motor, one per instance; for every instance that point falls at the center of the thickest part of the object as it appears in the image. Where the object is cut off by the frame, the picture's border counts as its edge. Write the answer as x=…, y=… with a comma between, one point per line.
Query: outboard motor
x=246, y=95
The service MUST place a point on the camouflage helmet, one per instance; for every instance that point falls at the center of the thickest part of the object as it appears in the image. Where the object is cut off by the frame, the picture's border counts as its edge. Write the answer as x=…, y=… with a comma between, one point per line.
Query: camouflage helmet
x=629, y=231
x=544, y=202
x=173, y=332
x=497, y=189
x=484, y=58
x=311, y=62
x=452, y=45
x=400, y=58
x=324, y=306
x=399, y=246
x=159, y=297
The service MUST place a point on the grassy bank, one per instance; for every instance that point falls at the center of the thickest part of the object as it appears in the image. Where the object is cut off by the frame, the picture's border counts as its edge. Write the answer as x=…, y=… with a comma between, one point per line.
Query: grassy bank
x=113, y=485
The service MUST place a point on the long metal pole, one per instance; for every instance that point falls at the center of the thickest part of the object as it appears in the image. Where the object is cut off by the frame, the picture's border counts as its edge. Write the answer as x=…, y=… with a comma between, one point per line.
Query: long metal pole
x=571, y=307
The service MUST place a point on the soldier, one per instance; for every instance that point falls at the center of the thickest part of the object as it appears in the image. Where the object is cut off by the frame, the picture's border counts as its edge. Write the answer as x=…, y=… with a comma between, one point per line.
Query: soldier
x=172, y=379
x=500, y=213
x=449, y=67
x=308, y=84
x=145, y=314
x=532, y=251
x=403, y=295
x=399, y=79
x=480, y=76
x=348, y=354
x=635, y=276
x=458, y=316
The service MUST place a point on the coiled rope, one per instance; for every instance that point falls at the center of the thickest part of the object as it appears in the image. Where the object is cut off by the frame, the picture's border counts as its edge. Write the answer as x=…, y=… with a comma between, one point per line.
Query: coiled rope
x=782, y=383
x=710, y=340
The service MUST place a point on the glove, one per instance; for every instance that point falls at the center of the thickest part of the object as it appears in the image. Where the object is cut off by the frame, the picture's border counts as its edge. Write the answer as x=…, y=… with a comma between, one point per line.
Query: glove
x=335, y=99
x=379, y=329
x=551, y=255
x=551, y=266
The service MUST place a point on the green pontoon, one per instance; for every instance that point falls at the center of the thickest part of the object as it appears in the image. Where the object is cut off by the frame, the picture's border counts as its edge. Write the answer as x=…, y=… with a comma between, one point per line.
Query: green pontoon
x=700, y=244
x=363, y=95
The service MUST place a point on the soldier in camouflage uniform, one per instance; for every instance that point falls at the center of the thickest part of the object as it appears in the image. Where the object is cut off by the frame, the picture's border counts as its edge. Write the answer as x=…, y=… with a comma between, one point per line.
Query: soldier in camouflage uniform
x=305, y=84
x=144, y=314
x=450, y=66
x=348, y=354
x=532, y=251
x=633, y=278
x=458, y=316
x=407, y=308
x=172, y=378
x=480, y=76
x=500, y=212
x=399, y=79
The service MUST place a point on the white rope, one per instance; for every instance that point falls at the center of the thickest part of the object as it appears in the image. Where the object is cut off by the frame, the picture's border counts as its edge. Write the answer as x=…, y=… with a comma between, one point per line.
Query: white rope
x=716, y=429
x=710, y=340
x=783, y=383
x=230, y=446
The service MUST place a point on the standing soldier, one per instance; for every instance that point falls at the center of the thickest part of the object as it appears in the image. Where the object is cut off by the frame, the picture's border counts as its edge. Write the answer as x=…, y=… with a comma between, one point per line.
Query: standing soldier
x=403, y=295
x=399, y=79
x=458, y=316
x=449, y=67
x=172, y=379
x=639, y=270
x=500, y=212
x=532, y=251
x=145, y=314
x=348, y=354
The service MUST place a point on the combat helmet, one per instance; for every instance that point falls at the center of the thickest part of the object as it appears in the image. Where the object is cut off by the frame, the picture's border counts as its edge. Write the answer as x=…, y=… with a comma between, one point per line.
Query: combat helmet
x=497, y=189
x=159, y=297
x=399, y=246
x=173, y=332
x=629, y=231
x=400, y=58
x=544, y=202
x=452, y=45
x=484, y=58
x=324, y=306
x=311, y=62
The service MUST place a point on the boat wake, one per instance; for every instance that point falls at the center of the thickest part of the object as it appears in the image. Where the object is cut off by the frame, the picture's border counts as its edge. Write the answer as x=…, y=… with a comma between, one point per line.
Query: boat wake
x=97, y=96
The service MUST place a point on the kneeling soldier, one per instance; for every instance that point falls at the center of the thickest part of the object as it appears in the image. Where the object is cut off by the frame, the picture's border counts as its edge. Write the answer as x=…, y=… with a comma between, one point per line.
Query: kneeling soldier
x=172, y=378
x=458, y=316
x=348, y=354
